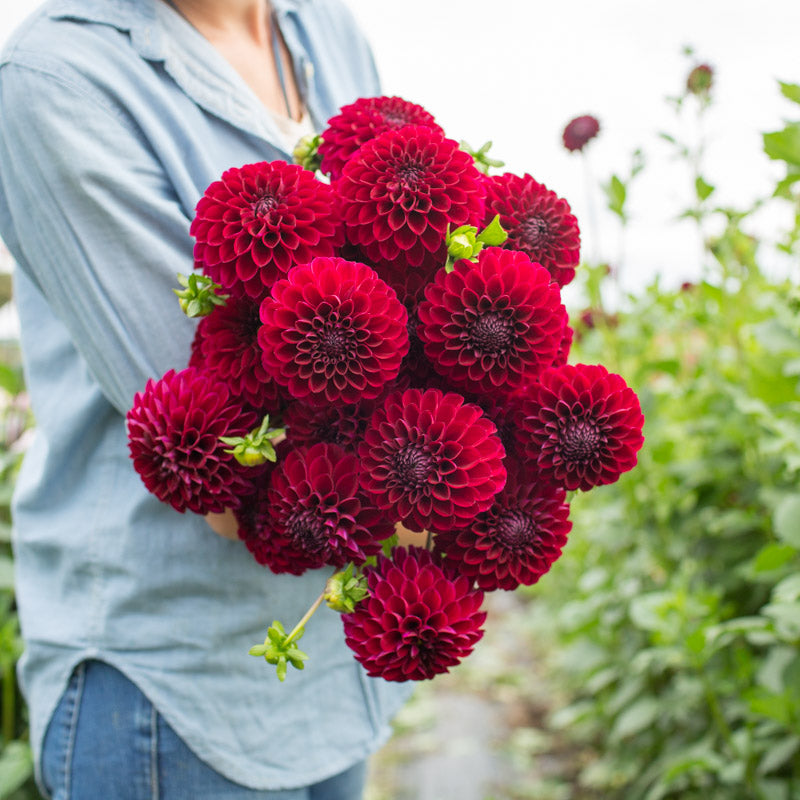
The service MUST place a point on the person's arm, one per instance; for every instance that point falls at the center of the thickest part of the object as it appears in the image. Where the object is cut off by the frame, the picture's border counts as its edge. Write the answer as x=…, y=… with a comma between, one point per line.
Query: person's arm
x=97, y=226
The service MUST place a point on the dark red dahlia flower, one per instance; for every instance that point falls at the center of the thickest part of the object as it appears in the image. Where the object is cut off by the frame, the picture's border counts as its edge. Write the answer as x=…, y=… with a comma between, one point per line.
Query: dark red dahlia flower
x=517, y=540
x=490, y=325
x=400, y=191
x=333, y=332
x=579, y=132
x=416, y=371
x=505, y=411
x=258, y=221
x=432, y=458
x=174, y=431
x=417, y=621
x=582, y=426
x=362, y=121
x=342, y=425
x=408, y=282
x=318, y=514
x=226, y=345
x=537, y=221
x=700, y=80
x=566, y=345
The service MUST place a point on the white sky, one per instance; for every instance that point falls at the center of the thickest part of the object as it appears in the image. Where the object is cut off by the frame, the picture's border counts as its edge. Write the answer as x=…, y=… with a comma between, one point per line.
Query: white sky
x=516, y=71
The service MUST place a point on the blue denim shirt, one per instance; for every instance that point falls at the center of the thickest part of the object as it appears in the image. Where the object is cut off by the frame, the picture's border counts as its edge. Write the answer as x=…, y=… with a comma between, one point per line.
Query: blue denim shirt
x=114, y=117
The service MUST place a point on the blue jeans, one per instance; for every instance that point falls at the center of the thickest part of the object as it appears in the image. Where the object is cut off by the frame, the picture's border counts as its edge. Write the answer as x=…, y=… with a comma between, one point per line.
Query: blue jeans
x=107, y=742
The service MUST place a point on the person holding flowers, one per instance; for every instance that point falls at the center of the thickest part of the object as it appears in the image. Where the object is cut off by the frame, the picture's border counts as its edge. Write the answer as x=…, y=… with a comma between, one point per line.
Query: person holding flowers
x=114, y=119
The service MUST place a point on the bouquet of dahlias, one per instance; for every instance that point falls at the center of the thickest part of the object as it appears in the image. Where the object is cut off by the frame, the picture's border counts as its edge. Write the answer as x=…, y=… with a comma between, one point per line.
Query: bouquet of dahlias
x=384, y=346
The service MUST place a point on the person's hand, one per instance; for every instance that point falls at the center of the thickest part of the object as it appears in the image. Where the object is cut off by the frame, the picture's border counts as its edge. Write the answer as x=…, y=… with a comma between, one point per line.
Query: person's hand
x=224, y=524
x=407, y=538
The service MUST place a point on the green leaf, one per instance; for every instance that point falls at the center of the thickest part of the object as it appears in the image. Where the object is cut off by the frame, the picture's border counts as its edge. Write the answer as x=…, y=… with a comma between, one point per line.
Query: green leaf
x=779, y=754
x=791, y=91
x=784, y=145
x=616, y=192
x=636, y=718
x=773, y=556
x=788, y=590
x=696, y=641
x=493, y=234
x=784, y=187
x=786, y=520
x=702, y=188
x=16, y=766
x=11, y=379
x=768, y=704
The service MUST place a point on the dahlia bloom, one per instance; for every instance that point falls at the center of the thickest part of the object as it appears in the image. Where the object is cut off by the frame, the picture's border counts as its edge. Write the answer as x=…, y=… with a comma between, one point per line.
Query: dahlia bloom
x=579, y=132
x=582, y=426
x=359, y=122
x=566, y=345
x=257, y=221
x=416, y=371
x=400, y=191
x=226, y=345
x=517, y=540
x=700, y=80
x=432, y=458
x=333, y=332
x=174, y=430
x=505, y=411
x=317, y=513
x=417, y=621
x=538, y=222
x=490, y=325
x=342, y=425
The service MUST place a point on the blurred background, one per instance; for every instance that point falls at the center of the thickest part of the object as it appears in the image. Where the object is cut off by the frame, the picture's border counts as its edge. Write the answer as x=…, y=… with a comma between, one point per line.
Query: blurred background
x=660, y=657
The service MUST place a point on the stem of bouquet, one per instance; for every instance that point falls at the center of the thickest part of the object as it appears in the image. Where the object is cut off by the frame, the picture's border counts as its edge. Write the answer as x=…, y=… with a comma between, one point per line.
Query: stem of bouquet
x=297, y=631
x=343, y=590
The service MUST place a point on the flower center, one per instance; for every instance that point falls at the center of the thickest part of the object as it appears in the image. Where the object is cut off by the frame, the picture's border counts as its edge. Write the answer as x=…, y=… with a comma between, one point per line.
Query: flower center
x=396, y=119
x=333, y=345
x=410, y=174
x=264, y=205
x=412, y=466
x=580, y=440
x=515, y=529
x=535, y=230
x=307, y=531
x=492, y=333
x=332, y=342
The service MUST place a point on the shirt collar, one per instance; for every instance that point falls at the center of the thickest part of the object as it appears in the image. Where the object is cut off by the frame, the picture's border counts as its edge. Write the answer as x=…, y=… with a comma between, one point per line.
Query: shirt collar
x=137, y=17
x=143, y=21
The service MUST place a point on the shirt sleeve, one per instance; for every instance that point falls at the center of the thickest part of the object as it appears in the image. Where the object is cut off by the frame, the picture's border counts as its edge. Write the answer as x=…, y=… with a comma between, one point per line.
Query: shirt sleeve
x=95, y=223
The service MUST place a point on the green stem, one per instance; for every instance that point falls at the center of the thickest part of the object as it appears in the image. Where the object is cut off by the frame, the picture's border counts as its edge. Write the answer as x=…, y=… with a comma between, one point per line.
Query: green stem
x=716, y=713
x=306, y=617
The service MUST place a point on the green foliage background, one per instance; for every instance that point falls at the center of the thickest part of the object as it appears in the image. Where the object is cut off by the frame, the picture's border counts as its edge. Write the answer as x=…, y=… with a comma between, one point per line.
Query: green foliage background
x=673, y=618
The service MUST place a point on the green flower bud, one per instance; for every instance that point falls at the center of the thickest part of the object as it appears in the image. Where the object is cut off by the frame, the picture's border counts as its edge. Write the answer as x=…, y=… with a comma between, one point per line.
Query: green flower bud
x=199, y=297
x=462, y=245
x=256, y=448
x=305, y=152
x=344, y=590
